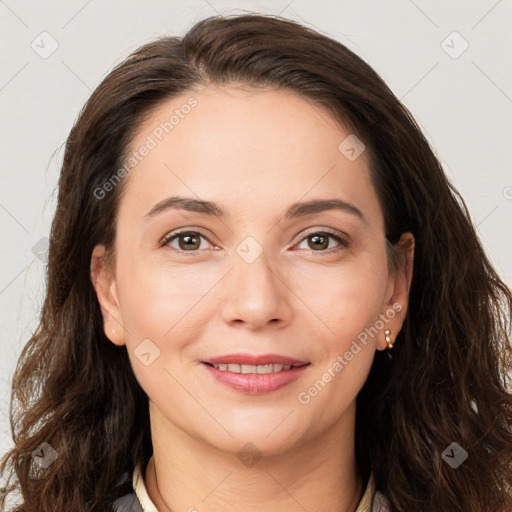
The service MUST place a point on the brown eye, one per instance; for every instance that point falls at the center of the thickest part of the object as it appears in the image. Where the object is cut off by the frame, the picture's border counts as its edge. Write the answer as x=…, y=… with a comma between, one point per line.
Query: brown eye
x=321, y=242
x=317, y=242
x=187, y=241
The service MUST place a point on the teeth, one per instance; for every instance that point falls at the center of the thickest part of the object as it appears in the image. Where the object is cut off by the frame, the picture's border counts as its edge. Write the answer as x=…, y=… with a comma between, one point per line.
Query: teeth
x=250, y=368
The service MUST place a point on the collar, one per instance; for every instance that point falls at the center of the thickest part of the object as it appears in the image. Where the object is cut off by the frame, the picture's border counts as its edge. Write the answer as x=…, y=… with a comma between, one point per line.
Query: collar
x=365, y=505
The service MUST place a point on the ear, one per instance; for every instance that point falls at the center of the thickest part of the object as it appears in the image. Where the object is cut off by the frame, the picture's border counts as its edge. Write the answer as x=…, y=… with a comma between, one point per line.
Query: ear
x=397, y=293
x=103, y=281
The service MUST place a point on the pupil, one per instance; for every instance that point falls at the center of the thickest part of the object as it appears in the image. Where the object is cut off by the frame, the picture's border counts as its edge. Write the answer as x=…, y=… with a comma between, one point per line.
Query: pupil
x=317, y=242
x=188, y=242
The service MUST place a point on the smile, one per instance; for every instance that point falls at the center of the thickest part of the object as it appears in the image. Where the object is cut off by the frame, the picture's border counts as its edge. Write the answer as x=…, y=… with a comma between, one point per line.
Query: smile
x=250, y=368
x=255, y=379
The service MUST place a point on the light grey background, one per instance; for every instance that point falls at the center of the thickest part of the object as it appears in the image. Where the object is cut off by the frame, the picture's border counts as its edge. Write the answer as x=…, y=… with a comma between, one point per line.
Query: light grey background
x=462, y=100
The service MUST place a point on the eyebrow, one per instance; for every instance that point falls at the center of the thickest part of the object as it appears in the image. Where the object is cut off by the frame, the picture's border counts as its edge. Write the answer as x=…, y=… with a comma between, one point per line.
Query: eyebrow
x=295, y=210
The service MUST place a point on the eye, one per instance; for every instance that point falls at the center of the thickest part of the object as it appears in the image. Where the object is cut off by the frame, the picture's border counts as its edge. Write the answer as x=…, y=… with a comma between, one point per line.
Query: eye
x=189, y=241
x=320, y=241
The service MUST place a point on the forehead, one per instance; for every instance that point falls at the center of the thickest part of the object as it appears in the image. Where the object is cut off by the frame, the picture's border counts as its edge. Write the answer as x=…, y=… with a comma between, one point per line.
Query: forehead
x=242, y=146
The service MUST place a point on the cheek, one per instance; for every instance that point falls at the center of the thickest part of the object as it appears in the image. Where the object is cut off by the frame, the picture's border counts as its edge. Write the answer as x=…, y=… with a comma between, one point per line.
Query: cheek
x=346, y=298
x=157, y=298
x=346, y=350
x=166, y=305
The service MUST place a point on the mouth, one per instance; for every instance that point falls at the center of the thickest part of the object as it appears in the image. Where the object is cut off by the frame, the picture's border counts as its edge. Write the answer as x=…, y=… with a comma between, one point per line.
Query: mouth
x=255, y=374
x=260, y=369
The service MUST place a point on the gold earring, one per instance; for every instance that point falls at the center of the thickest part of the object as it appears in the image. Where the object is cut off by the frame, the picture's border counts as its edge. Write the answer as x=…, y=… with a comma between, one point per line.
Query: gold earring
x=387, y=333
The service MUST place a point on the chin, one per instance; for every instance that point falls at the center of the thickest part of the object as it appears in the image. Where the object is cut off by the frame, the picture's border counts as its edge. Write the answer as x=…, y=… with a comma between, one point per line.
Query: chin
x=257, y=442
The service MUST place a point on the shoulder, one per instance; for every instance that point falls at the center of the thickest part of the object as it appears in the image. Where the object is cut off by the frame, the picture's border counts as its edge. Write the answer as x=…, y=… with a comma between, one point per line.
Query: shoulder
x=380, y=503
x=373, y=500
x=128, y=503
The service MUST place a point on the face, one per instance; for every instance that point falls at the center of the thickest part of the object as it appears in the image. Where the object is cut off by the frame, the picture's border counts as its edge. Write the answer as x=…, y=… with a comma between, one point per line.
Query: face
x=273, y=256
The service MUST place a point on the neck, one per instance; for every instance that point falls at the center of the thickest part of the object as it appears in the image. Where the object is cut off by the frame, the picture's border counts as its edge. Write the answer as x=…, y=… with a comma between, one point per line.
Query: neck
x=186, y=474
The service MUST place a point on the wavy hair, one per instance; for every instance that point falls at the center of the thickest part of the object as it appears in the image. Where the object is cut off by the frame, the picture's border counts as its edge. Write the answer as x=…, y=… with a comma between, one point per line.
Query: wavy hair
x=448, y=378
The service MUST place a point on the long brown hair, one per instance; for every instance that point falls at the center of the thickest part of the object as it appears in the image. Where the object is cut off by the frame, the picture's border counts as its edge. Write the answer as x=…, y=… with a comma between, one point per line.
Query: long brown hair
x=447, y=380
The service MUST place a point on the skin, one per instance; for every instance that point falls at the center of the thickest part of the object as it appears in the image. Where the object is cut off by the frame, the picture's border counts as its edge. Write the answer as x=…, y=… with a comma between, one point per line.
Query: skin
x=253, y=152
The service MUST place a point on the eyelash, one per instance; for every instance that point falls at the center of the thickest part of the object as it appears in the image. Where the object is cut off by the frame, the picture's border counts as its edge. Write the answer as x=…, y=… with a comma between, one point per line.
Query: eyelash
x=342, y=240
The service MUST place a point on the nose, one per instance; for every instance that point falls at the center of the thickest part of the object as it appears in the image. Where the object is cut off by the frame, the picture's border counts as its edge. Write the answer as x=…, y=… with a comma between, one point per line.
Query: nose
x=255, y=295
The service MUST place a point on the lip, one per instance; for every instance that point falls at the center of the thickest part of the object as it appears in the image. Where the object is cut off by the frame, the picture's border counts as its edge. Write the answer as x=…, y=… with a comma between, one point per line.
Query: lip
x=253, y=383
x=254, y=359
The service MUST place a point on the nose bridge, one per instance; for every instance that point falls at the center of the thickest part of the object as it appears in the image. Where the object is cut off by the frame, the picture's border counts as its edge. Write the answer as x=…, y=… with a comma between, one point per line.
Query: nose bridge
x=255, y=294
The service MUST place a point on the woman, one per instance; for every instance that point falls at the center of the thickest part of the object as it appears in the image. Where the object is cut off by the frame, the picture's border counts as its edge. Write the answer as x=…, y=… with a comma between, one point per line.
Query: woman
x=263, y=293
